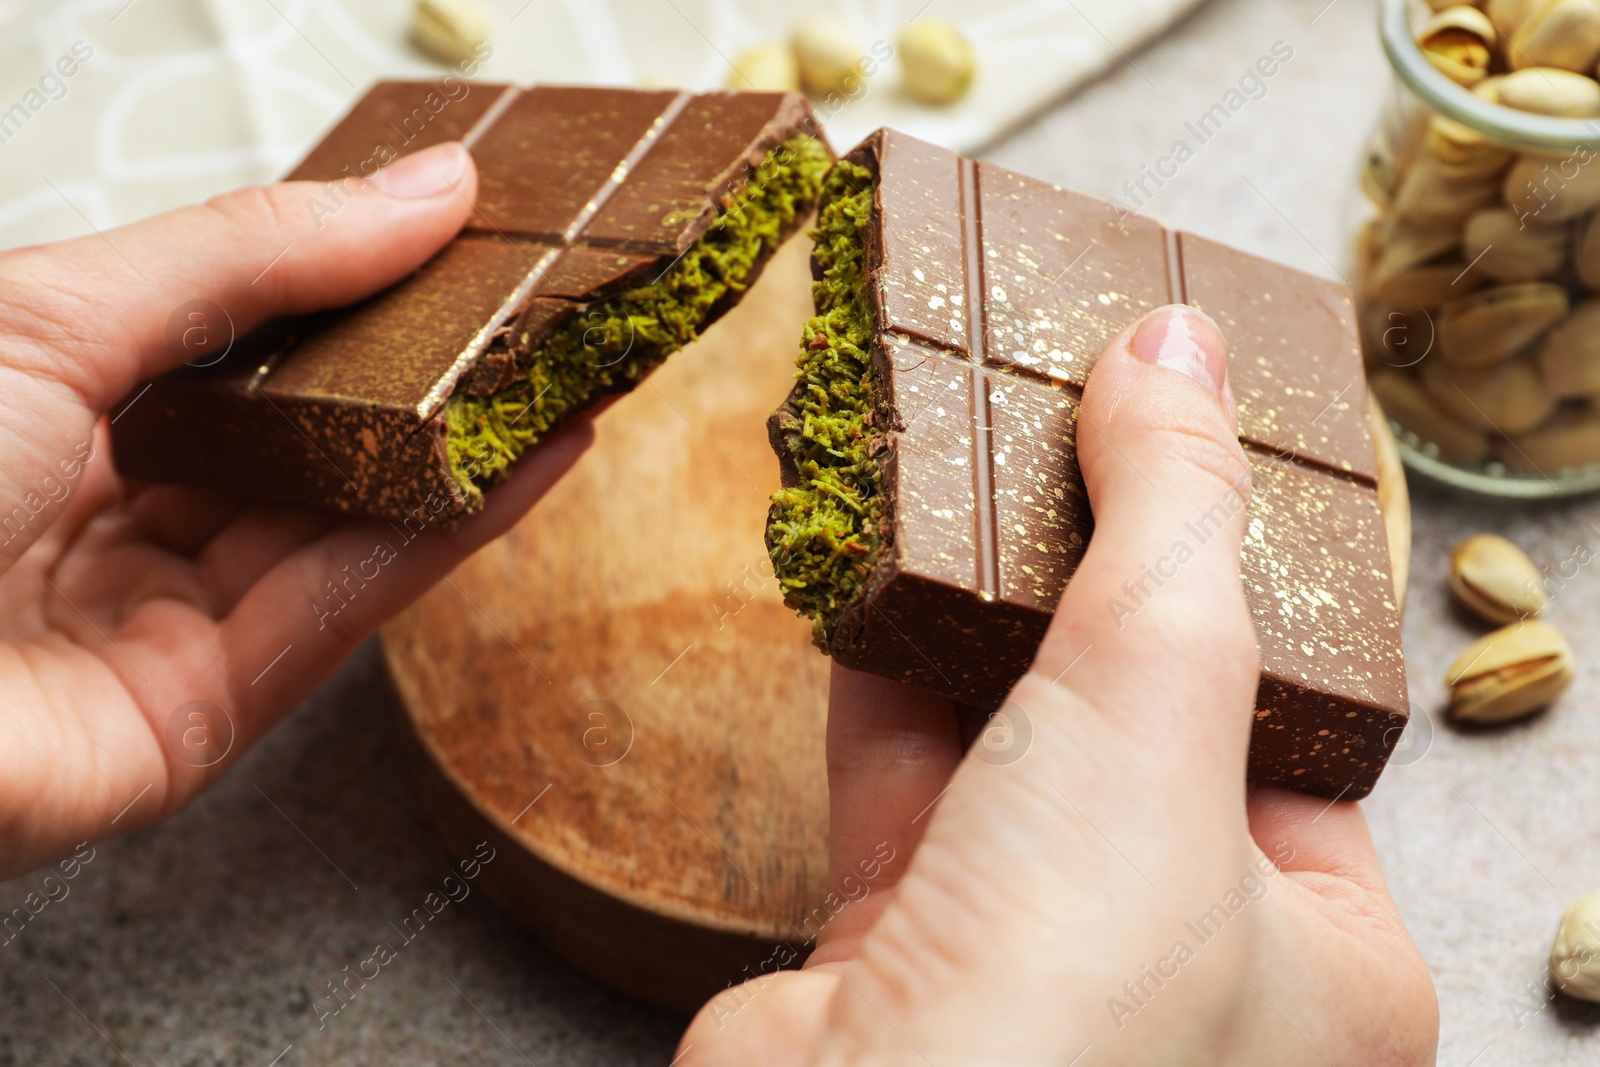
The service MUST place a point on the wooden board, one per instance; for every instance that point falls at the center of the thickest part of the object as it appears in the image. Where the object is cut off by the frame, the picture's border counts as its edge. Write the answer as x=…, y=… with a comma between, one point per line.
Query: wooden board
x=624, y=656
x=623, y=663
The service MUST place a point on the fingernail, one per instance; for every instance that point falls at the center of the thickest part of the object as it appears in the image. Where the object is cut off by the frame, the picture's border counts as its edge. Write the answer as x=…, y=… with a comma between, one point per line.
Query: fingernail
x=423, y=174
x=1183, y=339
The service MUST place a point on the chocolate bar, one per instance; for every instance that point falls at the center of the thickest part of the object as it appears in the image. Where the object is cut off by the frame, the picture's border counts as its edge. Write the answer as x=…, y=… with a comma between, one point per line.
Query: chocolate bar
x=611, y=227
x=933, y=510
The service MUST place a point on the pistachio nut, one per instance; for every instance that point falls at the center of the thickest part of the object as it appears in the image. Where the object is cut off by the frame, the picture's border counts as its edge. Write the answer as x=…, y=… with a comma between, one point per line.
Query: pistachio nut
x=1458, y=146
x=1489, y=88
x=1380, y=173
x=938, y=62
x=765, y=68
x=1399, y=337
x=1551, y=91
x=1491, y=325
x=1575, y=953
x=1416, y=416
x=829, y=54
x=1509, y=15
x=1457, y=42
x=1570, y=439
x=1510, y=673
x=1507, y=251
x=1441, y=194
x=1496, y=579
x=449, y=30
x=1561, y=33
x=1586, y=254
x=1404, y=244
x=1508, y=398
x=1546, y=190
x=1423, y=288
x=1569, y=357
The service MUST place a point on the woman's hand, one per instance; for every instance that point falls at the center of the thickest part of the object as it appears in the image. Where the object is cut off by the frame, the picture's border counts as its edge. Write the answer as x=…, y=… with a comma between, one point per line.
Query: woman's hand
x=139, y=625
x=1116, y=895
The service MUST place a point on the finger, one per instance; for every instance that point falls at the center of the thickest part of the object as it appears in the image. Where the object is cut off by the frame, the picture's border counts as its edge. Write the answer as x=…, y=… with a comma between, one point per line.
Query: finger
x=1306, y=834
x=891, y=751
x=252, y=544
x=375, y=569
x=180, y=519
x=1153, y=629
x=98, y=307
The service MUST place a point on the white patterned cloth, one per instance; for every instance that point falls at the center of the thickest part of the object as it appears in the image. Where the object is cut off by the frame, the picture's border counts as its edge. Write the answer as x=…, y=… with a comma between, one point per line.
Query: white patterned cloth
x=111, y=110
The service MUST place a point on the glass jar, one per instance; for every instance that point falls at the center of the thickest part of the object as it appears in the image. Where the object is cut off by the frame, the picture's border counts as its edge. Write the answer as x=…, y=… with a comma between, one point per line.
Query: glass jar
x=1477, y=278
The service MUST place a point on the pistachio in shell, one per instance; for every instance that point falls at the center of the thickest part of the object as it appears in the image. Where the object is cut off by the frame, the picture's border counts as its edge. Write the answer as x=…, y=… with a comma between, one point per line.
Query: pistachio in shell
x=1508, y=398
x=1507, y=251
x=1496, y=579
x=1436, y=433
x=1547, y=190
x=765, y=68
x=1457, y=41
x=1563, y=34
x=1551, y=91
x=1510, y=674
x=1425, y=287
x=1569, y=356
x=1569, y=440
x=1586, y=254
x=1507, y=16
x=1435, y=193
x=1485, y=327
x=1404, y=244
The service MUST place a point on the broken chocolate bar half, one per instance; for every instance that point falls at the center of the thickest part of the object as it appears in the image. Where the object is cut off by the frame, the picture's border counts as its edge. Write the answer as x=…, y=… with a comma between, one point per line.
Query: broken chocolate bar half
x=611, y=227
x=933, y=511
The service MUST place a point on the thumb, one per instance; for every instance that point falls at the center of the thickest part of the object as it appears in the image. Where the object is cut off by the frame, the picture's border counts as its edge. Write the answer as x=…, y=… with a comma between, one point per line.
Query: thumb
x=104, y=306
x=1154, y=623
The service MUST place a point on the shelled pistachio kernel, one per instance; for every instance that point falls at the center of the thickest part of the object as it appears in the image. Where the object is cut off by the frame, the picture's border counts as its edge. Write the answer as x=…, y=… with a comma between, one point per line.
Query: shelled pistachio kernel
x=1496, y=579
x=1575, y=953
x=829, y=54
x=765, y=68
x=1457, y=42
x=938, y=62
x=449, y=30
x=1510, y=673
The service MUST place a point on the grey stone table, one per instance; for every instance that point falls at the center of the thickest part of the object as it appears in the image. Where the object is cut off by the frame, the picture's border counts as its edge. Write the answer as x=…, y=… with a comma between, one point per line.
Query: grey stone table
x=209, y=940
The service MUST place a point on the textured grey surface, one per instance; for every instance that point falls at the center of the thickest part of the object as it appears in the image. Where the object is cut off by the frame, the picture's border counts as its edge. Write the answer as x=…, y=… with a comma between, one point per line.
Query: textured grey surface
x=210, y=939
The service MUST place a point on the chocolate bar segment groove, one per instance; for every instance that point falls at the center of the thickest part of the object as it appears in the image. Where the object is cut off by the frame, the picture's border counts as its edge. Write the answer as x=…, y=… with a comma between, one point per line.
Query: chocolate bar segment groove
x=611, y=226
x=930, y=534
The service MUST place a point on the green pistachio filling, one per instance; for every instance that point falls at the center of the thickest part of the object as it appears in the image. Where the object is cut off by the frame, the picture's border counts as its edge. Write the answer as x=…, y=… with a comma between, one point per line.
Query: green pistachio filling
x=823, y=533
x=618, y=339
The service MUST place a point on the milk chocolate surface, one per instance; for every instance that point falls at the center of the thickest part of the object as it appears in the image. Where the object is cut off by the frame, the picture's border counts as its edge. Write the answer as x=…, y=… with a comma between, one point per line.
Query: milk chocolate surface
x=991, y=296
x=583, y=192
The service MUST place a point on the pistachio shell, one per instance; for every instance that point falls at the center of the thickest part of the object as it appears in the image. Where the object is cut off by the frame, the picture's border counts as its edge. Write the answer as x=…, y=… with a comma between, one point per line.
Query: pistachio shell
x=1575, y=954
x=1489, y=326
x=1586, y=254
x=1409, y=406
x=1509, y=15
x=1423, y=288
x=766, y=68
x=1571, y=439
x=1569, y=357
x=829, y=54
x=1441, y=194
x=1510, y=673
x=1459, y=145
x=449, y=30
x=1562, y=33
x=1496, y=579
x=1551, y=91
x=1507, y=251
x=1457, y=41
x=1403, y=245
x=1547, y=190
x=1509, y=398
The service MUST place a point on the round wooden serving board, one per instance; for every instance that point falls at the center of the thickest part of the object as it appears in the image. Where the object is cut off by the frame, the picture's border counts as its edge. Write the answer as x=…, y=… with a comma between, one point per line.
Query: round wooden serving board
x=623, y=662
x=615, y=697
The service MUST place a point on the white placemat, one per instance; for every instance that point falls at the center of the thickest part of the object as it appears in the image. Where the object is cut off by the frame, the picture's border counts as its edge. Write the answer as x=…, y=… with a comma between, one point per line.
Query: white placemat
x=111, y=110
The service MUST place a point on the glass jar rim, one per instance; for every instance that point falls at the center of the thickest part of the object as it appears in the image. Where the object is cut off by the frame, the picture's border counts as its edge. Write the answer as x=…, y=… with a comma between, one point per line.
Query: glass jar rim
x=1521, y=128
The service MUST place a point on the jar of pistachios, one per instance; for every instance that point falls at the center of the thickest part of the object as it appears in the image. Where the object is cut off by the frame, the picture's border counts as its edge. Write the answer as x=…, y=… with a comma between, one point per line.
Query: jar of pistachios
x=1478, y=260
